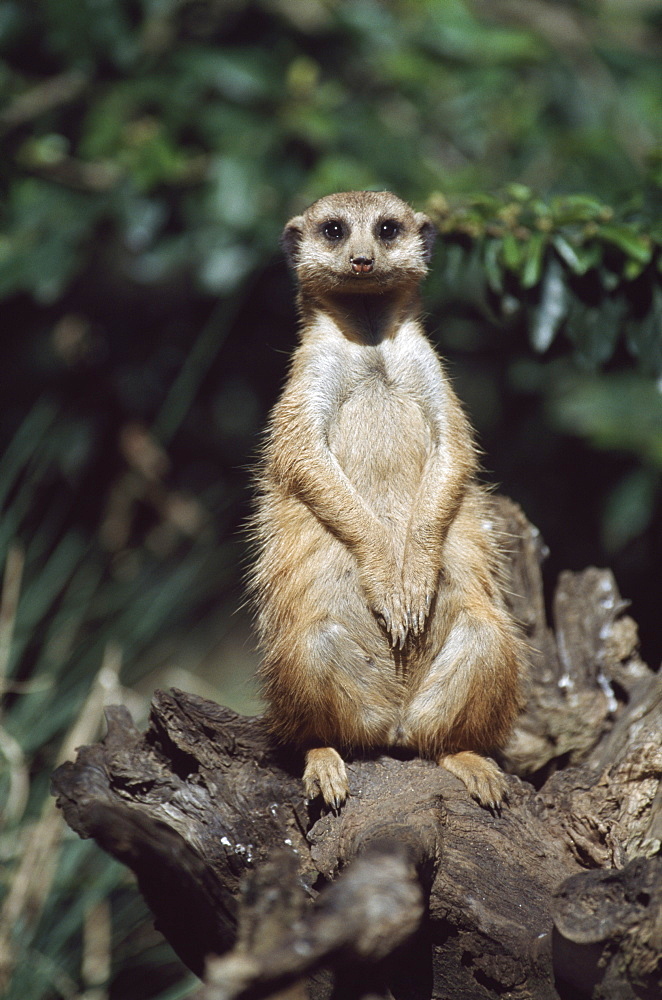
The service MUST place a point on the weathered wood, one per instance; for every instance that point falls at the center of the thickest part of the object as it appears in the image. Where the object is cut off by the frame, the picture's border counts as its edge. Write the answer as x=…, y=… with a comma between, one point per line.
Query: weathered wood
x=372, y=909
x=413, y=890
x=608, y=931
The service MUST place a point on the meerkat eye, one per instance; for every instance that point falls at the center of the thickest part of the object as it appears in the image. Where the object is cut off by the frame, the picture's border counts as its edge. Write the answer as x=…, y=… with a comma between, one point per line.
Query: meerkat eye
x=388, y=230
x=333, y=230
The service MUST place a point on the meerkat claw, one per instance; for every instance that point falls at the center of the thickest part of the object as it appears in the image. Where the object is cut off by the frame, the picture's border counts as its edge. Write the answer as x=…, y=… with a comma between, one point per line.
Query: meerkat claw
x=398, y=636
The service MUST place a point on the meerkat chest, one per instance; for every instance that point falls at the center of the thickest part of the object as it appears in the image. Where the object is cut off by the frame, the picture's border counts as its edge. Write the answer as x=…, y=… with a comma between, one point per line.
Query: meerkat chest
x=380, y=434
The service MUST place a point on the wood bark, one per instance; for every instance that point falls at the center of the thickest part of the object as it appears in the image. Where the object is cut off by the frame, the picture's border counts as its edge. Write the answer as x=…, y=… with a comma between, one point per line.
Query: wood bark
x=413, y=890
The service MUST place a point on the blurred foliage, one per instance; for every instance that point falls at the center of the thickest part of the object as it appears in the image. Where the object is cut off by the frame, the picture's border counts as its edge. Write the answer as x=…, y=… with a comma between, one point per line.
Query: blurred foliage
x=67, y=603
x=152, y=150
x=572, y=262
x=194, y=127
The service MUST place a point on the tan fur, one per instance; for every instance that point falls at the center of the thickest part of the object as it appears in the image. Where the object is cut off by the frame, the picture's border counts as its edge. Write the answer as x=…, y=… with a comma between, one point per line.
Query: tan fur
x=376, y=580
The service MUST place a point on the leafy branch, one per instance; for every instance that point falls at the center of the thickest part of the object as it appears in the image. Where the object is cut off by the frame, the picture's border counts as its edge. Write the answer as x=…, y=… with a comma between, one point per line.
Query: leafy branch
x=575, y=264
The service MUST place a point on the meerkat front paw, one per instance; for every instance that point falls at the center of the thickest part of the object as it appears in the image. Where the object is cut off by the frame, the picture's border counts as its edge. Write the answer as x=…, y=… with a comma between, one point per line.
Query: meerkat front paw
x=386, y=599
x=420, y=582
x=325, y=774
x=482, y=777
x=419, y=594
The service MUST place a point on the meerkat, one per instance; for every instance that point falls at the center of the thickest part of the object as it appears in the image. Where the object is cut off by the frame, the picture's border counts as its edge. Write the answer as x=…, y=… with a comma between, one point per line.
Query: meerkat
x=376, y=582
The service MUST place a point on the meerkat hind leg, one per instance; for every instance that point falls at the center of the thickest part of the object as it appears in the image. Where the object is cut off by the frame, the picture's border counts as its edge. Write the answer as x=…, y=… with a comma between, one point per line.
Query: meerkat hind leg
x=482, y=777
x=325, y=774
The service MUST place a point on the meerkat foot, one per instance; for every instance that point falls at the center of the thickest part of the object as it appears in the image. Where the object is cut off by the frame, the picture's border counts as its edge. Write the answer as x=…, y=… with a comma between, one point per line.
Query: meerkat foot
x=482, y=777
x=325, y=774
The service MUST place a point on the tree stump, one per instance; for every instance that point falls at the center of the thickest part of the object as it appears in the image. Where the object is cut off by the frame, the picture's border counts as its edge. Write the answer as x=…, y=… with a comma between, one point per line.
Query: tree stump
x=413, y=890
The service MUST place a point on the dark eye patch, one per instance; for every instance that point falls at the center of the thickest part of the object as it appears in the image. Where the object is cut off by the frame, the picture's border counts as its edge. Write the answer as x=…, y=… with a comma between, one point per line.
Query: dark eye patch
x=333, y=230
x=388, y=229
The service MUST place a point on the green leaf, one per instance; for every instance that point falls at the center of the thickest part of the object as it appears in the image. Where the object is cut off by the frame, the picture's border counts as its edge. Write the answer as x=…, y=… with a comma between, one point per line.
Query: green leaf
x=594, y=330
x=575, y=208
x=243, y=75
x=512, y=250
x=633, y=268
x=491, y=251
x=487, y=204
x=644, y=337
x=628, y=509
x=548, y=316
x=634, y=244
x=580, y=257
x=534, y=253
x=619, y=411
x=519, y=192
x=568, y=253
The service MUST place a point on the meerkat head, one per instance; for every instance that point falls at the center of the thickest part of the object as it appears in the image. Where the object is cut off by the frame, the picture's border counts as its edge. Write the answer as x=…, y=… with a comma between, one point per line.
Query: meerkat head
x=358, y=241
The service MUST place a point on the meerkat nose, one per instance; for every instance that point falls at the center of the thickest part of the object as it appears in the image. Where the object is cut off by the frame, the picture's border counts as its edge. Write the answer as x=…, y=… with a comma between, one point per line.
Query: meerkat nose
x=362, y=265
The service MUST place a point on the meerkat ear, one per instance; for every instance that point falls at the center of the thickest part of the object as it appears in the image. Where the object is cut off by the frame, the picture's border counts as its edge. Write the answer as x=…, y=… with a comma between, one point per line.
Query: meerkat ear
x=428, y=234
x=290, y=239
